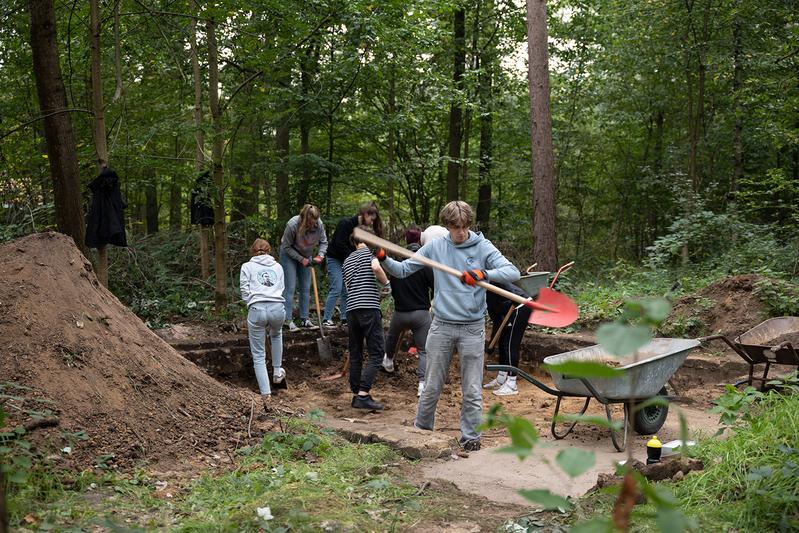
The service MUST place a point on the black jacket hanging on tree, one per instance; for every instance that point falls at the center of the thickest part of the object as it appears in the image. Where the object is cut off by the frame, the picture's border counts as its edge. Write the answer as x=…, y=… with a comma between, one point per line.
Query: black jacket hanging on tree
x=202, y=210
x=106, y=220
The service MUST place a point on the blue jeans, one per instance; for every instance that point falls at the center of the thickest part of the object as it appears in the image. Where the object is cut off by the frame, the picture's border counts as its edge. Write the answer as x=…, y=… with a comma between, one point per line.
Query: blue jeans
x=442, y=340
x=260, y=316
x=337, y=289
x=293, y=270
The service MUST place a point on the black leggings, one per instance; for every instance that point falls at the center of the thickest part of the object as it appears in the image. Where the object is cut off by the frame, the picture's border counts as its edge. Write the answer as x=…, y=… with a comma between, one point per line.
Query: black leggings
x=512, y=336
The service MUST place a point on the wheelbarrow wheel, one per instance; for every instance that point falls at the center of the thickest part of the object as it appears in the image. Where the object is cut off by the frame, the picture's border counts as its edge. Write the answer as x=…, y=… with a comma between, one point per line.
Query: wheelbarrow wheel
x=650, y=419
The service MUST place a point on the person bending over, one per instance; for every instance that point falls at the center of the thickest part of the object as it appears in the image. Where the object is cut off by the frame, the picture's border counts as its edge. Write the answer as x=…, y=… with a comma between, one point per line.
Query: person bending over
x=510, y=338
x=411, y=311
x=303, y=233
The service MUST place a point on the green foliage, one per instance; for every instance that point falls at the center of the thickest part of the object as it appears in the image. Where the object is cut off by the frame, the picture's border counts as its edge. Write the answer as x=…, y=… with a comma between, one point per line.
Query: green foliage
x=780, y=296
x=751, y=480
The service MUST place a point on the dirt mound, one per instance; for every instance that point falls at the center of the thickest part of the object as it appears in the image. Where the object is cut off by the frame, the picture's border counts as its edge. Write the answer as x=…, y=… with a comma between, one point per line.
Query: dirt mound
x=71, y=348
x=728, y=307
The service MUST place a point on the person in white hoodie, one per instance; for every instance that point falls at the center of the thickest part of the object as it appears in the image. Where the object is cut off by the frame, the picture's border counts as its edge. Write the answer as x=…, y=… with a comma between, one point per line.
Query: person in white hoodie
x=262, y=283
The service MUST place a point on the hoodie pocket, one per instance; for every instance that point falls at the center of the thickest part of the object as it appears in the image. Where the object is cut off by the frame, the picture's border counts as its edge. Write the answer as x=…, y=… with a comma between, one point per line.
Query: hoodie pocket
x=459, y=305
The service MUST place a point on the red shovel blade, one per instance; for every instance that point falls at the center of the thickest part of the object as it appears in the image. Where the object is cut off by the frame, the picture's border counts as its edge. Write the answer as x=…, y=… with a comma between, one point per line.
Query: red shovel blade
x=563, y=310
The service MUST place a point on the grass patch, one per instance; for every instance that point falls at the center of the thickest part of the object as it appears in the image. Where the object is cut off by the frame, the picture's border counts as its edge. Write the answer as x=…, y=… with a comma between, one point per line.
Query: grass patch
x=750, y=481
x=309, y=478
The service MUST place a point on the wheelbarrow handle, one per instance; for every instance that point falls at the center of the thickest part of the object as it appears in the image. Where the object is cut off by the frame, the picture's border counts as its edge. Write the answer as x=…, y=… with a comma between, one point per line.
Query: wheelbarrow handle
x=562, y=269
x=525, y=376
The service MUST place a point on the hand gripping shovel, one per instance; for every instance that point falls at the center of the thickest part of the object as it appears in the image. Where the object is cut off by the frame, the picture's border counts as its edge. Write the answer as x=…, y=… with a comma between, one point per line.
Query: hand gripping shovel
x=552, y=309
x=322, y=343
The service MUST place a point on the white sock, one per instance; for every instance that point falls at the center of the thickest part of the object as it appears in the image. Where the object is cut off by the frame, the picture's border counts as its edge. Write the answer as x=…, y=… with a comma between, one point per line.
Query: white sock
x=511, y=382
x=502, y=376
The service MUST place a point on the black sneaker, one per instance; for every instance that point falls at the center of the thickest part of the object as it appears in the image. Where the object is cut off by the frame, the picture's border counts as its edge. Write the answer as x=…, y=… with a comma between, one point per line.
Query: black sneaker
x=306, y=323
x=366, y=402
x=471, y=445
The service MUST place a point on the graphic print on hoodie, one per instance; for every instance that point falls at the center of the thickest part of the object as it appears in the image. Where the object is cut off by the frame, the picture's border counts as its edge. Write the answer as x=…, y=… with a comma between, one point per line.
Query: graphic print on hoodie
x=262, y=280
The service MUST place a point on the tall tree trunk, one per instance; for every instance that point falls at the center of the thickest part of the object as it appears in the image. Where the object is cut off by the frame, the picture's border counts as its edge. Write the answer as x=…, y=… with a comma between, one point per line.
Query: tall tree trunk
x=545, y=244
x=486, y=142
x=331, y=138
x=456, y=108
x=199, y=141
x=151, y=203
x=175, y=202
x=61, y=150
x=282, y=139
x=98, y=129
x=737, y=85
x=392, y=150
x=220, y=249
x=98, y=124
x=306, y=72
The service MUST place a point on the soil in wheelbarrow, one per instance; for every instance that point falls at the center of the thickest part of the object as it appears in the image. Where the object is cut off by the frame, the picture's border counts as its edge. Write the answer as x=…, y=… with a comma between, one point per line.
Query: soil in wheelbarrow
x=792, y=337
x=108, y=388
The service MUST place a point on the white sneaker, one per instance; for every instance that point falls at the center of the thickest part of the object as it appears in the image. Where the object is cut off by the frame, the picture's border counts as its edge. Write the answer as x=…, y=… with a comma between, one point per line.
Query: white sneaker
x=291, y=325
x=496, y=383
x=388, y=364
x=507, y=389
x=279, y=375
x=420, y=390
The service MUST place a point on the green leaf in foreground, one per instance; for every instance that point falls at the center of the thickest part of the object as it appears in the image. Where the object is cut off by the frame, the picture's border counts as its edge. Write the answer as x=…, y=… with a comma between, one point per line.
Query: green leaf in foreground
x=590, y=419
x=548, y=500
x=620, y=339
x=523, y=436
x=585, y=369
x=575, y=461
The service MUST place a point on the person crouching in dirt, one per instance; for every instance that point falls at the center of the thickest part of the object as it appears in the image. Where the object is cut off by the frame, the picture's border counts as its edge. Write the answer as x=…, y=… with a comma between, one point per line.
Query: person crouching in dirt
x=262, y=283
x=459, y=307
x=511, y=336
x=411, y=311
x=303, y=233
x=365, y=281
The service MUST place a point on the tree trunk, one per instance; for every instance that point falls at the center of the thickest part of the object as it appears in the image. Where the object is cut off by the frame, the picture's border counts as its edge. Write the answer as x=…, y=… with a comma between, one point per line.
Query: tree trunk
x=151, y=203
x=98, y=124
x=61, y=150
x=737, y=85
x=175, y=201
x=282, y=139
x=199, y=141
x=391, y=156
x=98, y=129
x=487, y=62
x=306, y=72
x=220, y=249
x=331, y=139
x=456, y=109
x=545, y=245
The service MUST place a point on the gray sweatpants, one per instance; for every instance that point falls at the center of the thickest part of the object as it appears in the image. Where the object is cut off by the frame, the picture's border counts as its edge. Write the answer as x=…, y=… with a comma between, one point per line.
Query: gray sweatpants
x=416, y=321
x=442, y=340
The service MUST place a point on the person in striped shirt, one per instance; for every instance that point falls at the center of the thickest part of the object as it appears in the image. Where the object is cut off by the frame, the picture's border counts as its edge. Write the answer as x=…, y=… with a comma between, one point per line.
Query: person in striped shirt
x=365, y=282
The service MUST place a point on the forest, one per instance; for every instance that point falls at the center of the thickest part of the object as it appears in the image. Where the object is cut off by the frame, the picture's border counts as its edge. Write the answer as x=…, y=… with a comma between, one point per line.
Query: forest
x=654, y=143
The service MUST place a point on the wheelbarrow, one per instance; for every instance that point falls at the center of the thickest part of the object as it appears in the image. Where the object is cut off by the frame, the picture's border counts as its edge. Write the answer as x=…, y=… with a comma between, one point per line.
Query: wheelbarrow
x=645, y=376
x=757, y=346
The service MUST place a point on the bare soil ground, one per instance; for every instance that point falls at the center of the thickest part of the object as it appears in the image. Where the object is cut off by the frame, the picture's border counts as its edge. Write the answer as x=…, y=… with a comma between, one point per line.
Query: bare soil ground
x=96, y=369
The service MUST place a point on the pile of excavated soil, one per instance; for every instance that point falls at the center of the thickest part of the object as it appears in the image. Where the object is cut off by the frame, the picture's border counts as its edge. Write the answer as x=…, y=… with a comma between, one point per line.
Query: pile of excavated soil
x=728, y=307
x=71, y=350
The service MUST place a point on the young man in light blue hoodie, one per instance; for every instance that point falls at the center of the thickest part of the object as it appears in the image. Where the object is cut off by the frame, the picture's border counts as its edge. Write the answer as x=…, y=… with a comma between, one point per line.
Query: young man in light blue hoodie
x=459, y=308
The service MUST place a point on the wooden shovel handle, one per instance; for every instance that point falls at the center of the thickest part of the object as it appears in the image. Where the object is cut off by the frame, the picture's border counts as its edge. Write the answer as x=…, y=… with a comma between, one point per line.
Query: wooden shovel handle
x=316, y=298
x=374, y=240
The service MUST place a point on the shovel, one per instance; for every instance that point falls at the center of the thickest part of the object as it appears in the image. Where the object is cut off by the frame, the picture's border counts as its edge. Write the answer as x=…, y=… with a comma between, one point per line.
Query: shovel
x=551, y=309
x=322, y=343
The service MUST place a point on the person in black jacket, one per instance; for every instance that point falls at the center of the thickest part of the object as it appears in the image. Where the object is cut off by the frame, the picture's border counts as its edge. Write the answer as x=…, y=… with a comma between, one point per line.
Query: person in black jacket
x=411, y=311
x=339, y=249
x=511, y=337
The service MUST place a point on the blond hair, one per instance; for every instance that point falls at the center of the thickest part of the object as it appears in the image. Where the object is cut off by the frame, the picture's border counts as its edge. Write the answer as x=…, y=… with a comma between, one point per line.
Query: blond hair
x=260, y=247
x=456, y=213
x=309, y=215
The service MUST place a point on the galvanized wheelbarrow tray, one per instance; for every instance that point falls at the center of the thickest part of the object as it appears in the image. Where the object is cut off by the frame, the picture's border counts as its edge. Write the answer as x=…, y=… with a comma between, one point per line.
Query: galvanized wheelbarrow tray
x=756, y=346
x=645, y=377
